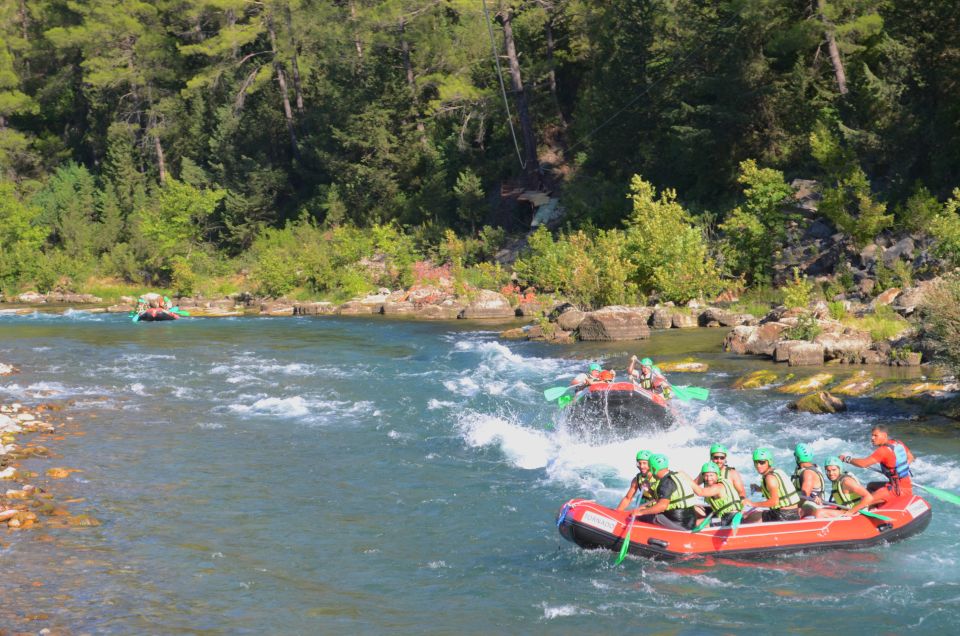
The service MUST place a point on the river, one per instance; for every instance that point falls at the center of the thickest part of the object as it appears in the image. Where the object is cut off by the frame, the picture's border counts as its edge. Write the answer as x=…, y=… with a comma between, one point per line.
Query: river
x=306, y=476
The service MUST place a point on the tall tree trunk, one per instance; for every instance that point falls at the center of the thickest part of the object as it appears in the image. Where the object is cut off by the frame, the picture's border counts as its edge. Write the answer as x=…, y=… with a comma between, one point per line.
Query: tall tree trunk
x=552, y=74
x=356, y=32
x=282, y=80
x=161, y=163
x=411, y=81
x=295, y=68
x=523, y=112
x=833, y=50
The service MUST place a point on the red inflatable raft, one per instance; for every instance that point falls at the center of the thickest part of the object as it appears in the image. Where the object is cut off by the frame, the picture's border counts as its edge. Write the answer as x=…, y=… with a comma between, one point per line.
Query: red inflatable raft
x=620, y=392
x=590, y=525
x=154, y=314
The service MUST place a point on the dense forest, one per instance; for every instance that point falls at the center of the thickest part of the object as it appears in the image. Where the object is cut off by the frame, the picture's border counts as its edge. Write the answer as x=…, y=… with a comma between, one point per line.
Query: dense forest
x=328, y=147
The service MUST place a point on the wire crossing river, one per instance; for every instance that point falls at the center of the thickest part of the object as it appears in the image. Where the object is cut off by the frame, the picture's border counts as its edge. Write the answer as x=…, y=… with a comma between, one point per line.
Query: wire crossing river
x=306, y=476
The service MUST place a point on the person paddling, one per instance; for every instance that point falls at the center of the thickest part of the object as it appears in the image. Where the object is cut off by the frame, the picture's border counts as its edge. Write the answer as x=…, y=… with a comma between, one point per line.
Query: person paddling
x=845, y=491
x=808, y=479
x=645, y=482
x=718, y=455
x=647, y=376
x=719, y=492
x=675, y=499
x=782, y=499
x=894, y=458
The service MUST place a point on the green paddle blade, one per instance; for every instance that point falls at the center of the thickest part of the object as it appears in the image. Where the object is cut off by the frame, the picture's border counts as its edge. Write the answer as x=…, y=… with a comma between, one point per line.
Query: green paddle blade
x=180, y=312
x=691, y=392
x=135, y=317
x=735, y=523
x=942, y=495
x=555, y=392
x=867, y=513
x=626, y=542
x=703, y=524
x=563, y=400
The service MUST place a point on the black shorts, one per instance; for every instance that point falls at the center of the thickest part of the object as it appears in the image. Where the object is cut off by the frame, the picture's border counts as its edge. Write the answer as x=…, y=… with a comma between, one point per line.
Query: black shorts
x=781, y=514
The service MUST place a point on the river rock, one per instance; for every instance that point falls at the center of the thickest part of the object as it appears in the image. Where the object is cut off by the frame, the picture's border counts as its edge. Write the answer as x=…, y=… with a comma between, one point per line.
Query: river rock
x=570, y=319
x=858, y=384
x=901, y=249
x=912, y=297
x=531, y=309
x=447, y=310
x=488, y=304
x=614, y=323
x=782, y=351
x=813, y=383
x=313, y=309
x=549, y=333
x=683, y=320
x=885, y=297
x=754, y=339
x=756, y=379
x=848, y=345
x=805, y=354
x=398, y=308
x=903, y=391
x=818, y=403
x=358, y=308
x=687, y=365
x=517, y=333
x=31, y=298
x=9, y=473
x=6, y=369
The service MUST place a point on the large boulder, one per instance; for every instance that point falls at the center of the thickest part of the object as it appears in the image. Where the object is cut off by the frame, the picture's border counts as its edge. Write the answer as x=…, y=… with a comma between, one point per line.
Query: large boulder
x=848, y=345
x=662, y=318
x=31, y=298
x=530, y=309
x=313, y=309
x=912, y=297
x=358, y=308
x=901, y=249
x=570, y=319
x=805, y=354
x=615, y=323
x=683, y=320
x=488, y=304
x=818, y=403
x=399, y=308
x=782, y=351
x=446, y=310
x=755, y=340
x=858, y=384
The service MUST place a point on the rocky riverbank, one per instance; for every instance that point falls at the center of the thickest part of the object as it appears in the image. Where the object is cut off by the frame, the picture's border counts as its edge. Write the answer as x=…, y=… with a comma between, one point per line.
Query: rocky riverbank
x=28, y=498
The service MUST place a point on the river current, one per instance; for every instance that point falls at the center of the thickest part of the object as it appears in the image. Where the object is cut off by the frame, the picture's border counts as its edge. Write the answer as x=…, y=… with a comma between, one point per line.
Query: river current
x=307, y=476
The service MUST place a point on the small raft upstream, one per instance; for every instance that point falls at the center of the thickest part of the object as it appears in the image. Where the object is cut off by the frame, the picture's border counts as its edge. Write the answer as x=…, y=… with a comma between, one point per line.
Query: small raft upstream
x=154, y=314
x=591, y=525
x=621, y=405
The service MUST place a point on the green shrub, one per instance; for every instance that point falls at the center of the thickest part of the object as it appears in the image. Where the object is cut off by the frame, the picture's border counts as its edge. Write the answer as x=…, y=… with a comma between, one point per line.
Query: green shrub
x=806, y=328
x=797, y=293
x=919, y=211
x=838, y=309
x=883, y=324
x=940, y=312
x=667, y=249
x=946, y=228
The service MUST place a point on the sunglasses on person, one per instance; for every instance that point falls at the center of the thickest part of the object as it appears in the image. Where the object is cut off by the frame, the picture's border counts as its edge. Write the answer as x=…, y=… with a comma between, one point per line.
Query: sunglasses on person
x=760, y=461
x=718, y=457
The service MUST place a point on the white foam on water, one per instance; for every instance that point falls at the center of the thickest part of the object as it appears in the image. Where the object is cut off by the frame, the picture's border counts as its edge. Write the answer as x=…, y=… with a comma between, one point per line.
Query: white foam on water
x=292, y=406
x=465, y=386
x=524, y=448
x=437, y=565
x=211, y=426
x=435, y=404
x=560, y=611
x=138, y=389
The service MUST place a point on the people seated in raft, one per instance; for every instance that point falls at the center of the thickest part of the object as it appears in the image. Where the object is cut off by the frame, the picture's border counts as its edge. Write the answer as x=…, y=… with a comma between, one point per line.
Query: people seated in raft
x=782, y=501
x=719, y=492
x=645, y=482
x=808, y=479
x=894, y=458
x=595, y=373
x=647, y=376
x=845, y=490
x=718, y=455
x=675, y=499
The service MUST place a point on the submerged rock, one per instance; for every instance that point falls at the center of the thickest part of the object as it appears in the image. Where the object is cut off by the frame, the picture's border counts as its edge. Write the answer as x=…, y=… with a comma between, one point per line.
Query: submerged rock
x=757, y=379
x=857, y=384
x=806, y=385
x=687, y=365
x=818, y=403
x=903, y=391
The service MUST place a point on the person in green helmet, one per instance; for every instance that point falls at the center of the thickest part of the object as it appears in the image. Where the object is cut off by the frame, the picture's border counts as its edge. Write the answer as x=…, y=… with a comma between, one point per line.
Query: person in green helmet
x=845, y=490
x=647, y=376
x=645, y=482
x=719, y=493
x=675, y=499
x=808, y=480
x=718, y=455
x=782, y=501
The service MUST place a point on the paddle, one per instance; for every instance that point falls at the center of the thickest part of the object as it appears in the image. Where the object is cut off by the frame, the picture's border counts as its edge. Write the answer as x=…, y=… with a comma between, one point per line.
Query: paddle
x=626, y=541
x=942, y=495
x=865, y=513
x=737, y=519
x=136, y=317
x=703, y=524
x=563, y=400
x=179, y=312
x=690, y=392
x=556, y=392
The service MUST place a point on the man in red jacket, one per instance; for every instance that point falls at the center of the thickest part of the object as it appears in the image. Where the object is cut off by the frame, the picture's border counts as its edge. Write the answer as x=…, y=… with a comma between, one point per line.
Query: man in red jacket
x=894, y=458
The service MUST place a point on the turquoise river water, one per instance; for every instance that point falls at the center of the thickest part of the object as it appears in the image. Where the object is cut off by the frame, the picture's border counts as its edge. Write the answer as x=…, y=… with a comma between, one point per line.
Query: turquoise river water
x=312, y=476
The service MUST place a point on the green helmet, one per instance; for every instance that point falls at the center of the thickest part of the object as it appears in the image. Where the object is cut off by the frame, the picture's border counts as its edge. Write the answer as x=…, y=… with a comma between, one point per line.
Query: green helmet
x=647, y=362
x=658, y=462
x=718, y=448
x=710, y=467
x=594, y=366
x=763, y=454
x=644, y=455
x=803, y=454
x=832, y=461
